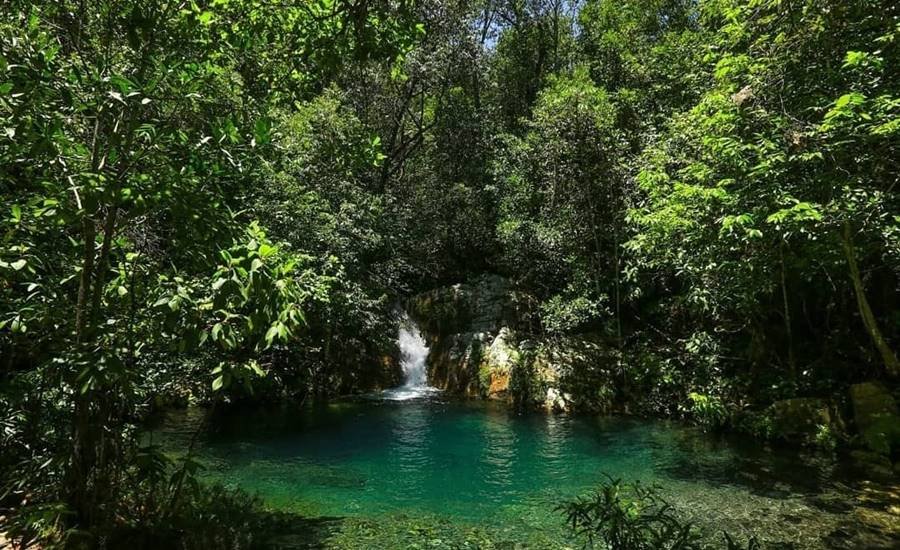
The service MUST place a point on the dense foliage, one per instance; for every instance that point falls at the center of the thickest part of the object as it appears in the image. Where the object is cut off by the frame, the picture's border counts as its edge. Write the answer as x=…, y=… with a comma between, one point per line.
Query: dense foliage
x=224, y=200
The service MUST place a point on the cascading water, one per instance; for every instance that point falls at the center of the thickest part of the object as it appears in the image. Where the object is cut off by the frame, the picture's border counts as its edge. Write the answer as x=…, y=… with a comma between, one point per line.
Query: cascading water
x=414, y=352
x=413, y=355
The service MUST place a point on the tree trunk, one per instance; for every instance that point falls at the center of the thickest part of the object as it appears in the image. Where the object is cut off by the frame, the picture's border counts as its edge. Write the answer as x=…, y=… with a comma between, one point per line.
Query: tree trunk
x=792, y=361
x=89, y=234
x=109, y=228
x=865, y=311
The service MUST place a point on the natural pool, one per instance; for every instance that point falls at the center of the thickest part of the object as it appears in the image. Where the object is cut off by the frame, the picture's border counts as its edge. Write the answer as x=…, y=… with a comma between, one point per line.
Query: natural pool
x=441, y=473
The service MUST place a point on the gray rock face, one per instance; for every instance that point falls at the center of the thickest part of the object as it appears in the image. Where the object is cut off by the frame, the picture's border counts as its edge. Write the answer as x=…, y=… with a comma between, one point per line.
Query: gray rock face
x=483, y=345
x=455, y=360
x=470, y=328
x=483, y=305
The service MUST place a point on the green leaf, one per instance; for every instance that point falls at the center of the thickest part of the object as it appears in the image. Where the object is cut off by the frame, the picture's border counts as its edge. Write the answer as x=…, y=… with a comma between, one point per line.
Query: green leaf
x=273, y=331
x=266, y=250
x=262, y=131
x=19, y=264
x=123, y=84
x=854, y=98
x=254, y=367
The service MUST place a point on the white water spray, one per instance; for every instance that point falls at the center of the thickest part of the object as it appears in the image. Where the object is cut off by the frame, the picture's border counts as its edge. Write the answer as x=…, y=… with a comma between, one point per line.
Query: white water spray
x=413, y=356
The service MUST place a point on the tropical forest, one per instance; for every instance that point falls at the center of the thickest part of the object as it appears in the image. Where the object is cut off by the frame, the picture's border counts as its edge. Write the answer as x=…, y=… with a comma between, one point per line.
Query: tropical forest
x=450, y=274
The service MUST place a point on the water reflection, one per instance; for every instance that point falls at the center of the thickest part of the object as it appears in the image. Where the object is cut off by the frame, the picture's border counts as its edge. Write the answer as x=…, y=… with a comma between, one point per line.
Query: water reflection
x=498, y=442
x=408, y=445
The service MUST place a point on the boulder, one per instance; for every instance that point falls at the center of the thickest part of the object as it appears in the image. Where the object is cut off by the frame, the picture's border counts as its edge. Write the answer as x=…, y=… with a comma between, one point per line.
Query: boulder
x=502, y=355
x=876, y=416
x=883, y=435
x=556, y=401
x=871, y=462
x=871, y=401
x=474, y=330
x=800, y=416
x=470, y=328
x=498, y=362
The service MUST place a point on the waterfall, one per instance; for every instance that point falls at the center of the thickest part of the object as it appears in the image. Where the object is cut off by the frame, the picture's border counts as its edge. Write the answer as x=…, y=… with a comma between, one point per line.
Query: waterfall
x=413, y=357
x=413, y=354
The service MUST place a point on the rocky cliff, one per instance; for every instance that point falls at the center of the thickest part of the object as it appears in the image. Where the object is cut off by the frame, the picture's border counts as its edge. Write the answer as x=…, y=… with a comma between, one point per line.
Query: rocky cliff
x=485, y=343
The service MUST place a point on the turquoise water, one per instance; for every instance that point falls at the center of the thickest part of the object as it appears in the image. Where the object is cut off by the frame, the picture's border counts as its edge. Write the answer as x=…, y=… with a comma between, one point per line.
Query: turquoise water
x=479, y=468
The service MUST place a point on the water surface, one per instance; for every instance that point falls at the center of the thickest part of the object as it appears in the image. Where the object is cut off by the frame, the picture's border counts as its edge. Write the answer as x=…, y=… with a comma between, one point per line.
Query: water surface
x=479, y=466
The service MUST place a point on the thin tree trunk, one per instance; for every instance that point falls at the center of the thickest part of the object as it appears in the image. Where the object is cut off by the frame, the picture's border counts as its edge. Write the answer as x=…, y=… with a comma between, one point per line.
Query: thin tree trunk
x=81, y=462
x=618, y=286
x=109, y=228
x=792, y=362
x=865, y=311
x=89, y=234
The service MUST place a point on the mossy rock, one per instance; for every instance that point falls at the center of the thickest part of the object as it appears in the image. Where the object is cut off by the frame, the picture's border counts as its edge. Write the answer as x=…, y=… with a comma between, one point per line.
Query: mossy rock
x=883, y=435
x=876, y=417
x=871, y=401
x=800, y=416
x=578, y=369
x=442, y=311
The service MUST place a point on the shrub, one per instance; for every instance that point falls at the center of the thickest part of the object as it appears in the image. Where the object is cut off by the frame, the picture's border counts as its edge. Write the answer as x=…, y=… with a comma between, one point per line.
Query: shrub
x=708, y=410
x=628, y=516
x=631, y=516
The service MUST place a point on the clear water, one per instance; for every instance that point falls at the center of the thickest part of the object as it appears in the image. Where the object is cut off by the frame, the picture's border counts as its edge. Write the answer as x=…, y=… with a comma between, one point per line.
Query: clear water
x=463, y=469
